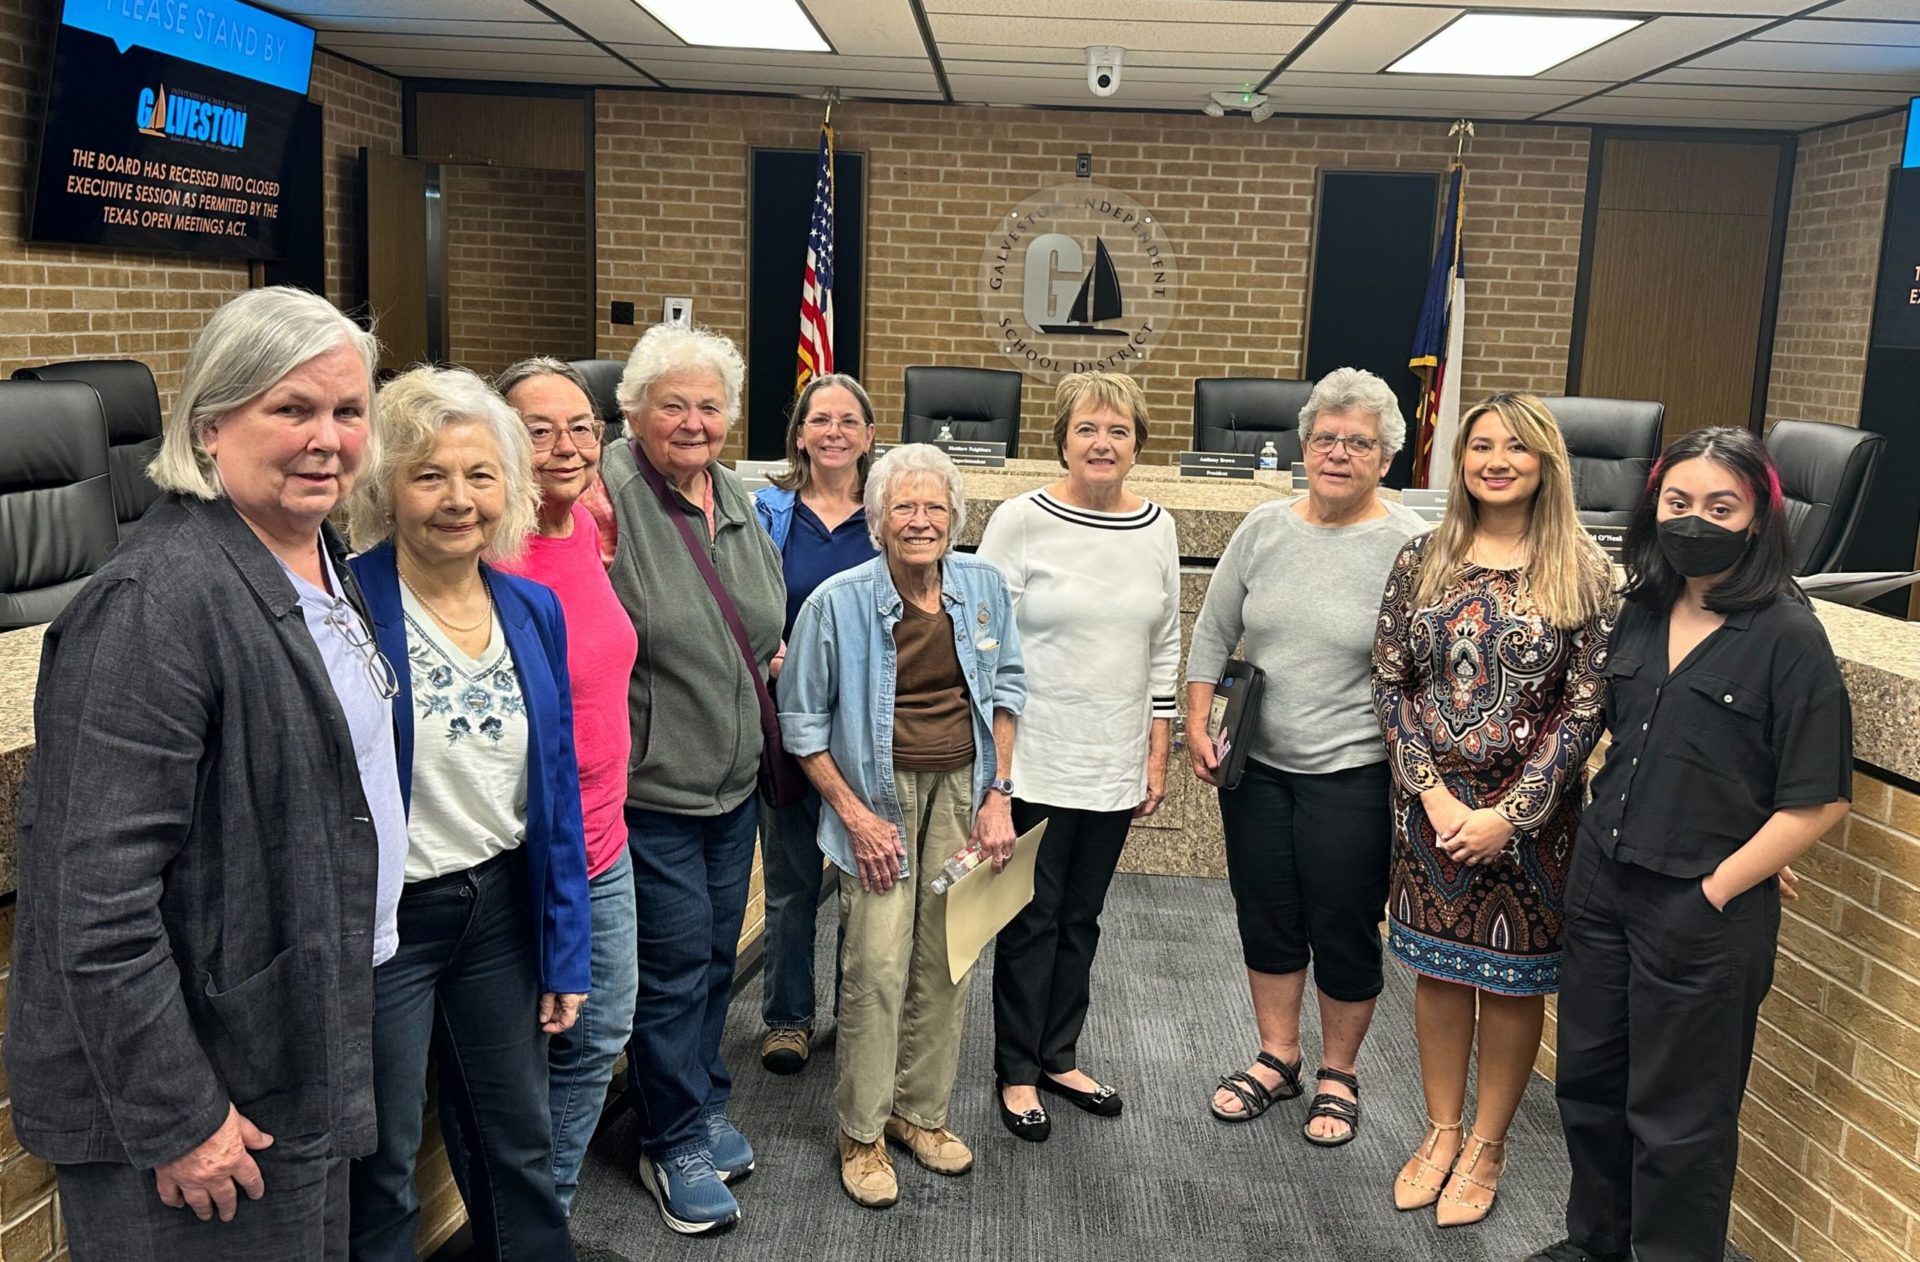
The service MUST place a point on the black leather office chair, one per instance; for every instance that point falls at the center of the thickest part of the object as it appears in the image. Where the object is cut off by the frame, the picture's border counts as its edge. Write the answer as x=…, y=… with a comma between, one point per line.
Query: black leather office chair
x=56, y=499
x=130, y=403
x=1245, y=413
x=1613, y=444
x=979, y=405
x=603, y=381
x=1825, y=472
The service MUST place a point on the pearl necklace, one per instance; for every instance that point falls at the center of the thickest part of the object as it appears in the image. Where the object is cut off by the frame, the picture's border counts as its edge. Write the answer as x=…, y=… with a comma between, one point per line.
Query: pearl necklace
x=441, y=618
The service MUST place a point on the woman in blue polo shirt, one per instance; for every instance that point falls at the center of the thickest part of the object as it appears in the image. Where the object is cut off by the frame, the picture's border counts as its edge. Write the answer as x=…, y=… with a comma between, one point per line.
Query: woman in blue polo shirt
x=813, y=513
x=1732, y=753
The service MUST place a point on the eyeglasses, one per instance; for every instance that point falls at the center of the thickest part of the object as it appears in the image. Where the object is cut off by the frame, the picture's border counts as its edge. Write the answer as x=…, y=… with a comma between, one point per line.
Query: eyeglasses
x=820, y=424
x=379, y=670
x=907, y=512
x=1356, y=444
x=583, y=433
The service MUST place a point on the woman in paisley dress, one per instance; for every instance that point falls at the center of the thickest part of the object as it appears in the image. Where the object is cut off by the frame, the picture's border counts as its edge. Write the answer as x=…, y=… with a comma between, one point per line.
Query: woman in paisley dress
x=1486, y=680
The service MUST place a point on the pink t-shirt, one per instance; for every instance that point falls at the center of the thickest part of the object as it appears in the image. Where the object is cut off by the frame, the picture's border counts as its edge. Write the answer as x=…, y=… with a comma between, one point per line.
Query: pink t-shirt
x=601, y=646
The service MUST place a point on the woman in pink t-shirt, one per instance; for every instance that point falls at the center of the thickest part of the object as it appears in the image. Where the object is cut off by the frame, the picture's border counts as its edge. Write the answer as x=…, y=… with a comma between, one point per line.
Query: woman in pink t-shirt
x=564, y=554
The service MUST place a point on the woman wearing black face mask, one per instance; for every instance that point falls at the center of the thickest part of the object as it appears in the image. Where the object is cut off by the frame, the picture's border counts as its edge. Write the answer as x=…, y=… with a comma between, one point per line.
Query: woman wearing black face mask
x=1732, y=753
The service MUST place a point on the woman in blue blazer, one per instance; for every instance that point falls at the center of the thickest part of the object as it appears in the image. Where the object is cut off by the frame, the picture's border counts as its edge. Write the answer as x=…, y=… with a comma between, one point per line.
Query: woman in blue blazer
x=495, y=902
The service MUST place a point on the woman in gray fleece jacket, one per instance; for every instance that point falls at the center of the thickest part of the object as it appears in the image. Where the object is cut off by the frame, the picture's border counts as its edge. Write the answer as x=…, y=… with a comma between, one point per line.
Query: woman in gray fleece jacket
x=696, y=751
x=1307, y=828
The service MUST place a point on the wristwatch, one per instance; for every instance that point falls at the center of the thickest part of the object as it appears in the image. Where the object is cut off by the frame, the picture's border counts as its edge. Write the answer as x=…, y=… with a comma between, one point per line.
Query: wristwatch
x=1002, y=785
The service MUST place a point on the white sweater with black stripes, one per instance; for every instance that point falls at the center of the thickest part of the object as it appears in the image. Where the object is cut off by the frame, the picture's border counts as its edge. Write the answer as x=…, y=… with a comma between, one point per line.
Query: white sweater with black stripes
x=1097, y=599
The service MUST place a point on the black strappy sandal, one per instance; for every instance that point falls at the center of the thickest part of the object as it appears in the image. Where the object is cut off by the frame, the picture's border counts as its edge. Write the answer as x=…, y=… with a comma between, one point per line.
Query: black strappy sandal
x=1255, y=1097
x=1336, y=1107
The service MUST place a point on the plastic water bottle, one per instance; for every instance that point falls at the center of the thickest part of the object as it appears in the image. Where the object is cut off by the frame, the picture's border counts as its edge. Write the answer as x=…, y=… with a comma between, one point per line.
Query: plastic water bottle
x=1268, y=470
x=954, y=868
x=945, y=435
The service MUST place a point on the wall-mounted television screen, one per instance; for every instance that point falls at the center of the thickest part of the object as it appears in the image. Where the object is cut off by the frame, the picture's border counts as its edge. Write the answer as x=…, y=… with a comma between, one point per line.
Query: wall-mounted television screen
x=1911, y=157
x=177, y=126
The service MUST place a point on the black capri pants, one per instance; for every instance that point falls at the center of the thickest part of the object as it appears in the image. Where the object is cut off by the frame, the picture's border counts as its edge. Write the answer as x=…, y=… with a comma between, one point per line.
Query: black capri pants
x=1307, y=859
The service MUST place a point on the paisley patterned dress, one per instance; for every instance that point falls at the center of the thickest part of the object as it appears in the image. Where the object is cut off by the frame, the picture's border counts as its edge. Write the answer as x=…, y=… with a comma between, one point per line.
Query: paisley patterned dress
x=1483, y=695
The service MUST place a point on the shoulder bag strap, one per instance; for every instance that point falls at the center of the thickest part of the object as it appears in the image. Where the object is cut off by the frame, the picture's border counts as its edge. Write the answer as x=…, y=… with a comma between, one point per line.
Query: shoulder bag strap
x=769, y=720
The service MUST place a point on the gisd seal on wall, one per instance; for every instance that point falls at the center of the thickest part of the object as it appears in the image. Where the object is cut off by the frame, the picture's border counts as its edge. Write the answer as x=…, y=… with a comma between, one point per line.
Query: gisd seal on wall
x=1078, y=277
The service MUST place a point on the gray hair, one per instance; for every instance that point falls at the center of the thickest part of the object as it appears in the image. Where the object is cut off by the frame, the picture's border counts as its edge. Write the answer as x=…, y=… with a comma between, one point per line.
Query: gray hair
x=414, y=408
x=542, y=366
x=1351, y=388
x=248, y=345
x=914, y=460
x=666, y=349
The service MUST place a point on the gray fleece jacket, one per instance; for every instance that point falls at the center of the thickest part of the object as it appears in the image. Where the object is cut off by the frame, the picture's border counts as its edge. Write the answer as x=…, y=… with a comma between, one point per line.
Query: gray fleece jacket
x=696, y=722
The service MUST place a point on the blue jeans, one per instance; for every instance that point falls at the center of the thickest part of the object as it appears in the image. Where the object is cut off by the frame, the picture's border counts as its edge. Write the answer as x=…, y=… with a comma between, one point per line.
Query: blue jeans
x=690, y=877
x=580, y=1062
x=790, y=872
x=463, y=982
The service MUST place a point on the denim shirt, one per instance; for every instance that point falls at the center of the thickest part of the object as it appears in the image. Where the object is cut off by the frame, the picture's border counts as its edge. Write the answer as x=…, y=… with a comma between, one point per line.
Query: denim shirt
x=837, y=689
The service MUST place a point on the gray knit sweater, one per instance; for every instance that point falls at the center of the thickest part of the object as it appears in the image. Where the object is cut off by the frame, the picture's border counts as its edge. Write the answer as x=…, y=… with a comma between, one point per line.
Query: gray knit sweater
x=1307, y=599
x=696, y=721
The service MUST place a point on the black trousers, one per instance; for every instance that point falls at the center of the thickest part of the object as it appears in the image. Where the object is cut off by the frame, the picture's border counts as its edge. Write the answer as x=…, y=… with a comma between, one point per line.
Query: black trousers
x=1307, y=859
x=1043, y=959
x=1659, y=996
x=113, y=1213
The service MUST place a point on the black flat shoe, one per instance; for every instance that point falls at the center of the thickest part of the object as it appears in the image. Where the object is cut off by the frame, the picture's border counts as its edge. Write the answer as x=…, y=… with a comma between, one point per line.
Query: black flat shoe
x=1033, y=1125
x=1105, y=1102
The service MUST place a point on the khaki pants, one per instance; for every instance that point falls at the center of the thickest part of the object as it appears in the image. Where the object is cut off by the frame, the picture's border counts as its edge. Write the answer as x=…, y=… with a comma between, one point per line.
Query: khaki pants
x=900, y=1017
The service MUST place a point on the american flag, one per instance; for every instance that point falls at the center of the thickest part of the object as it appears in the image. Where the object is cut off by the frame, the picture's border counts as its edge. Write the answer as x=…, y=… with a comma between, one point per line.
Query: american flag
x=1437, y=354
x=816, y=291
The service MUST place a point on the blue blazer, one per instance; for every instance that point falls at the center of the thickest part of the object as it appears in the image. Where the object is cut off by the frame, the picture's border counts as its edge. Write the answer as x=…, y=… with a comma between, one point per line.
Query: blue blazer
x=556, y=843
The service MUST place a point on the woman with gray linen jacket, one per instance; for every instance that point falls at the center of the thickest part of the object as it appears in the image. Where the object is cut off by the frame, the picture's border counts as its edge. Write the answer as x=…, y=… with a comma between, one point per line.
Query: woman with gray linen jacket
x=1308, y=829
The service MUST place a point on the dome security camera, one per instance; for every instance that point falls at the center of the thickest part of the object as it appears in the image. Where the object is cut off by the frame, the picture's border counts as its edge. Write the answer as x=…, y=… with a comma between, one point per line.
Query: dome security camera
x=1103, y=69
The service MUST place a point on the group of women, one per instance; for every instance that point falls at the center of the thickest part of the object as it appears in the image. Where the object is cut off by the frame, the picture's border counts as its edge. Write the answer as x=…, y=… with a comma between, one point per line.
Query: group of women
x=487, y=790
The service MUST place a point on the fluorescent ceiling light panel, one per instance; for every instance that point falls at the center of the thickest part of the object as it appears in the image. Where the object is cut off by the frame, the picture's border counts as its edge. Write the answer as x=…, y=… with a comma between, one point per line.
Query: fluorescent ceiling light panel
x=1509, y=45
x=778, y=24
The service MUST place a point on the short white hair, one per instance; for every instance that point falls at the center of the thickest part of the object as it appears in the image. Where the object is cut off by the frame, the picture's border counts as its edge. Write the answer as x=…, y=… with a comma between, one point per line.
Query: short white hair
x=247, y=346
x=414, y=408
x=914, y=460
x=667, y=349
x=1345, y=389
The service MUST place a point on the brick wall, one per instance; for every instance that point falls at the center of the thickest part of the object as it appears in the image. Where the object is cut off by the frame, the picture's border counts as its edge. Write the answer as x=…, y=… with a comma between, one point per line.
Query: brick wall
x=363, y=110
x=1236, y=201
x=63, y=302
x=1830, y=1135
x=516, y=265
x=1827, y=274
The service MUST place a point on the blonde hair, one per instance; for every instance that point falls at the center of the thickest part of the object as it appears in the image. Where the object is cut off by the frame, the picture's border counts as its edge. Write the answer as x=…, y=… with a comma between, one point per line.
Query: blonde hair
x=413, y=410
x=1083, y=391
x=247, y=346
x=1565, y=575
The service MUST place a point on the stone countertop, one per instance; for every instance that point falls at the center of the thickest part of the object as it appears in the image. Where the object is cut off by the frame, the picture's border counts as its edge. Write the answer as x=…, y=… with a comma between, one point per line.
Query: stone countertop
x=19, y=669
x=1880, y=659
x=1205, y=511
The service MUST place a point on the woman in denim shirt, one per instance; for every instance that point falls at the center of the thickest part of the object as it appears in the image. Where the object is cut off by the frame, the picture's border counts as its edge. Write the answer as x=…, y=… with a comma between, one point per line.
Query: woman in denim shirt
x=902, y=684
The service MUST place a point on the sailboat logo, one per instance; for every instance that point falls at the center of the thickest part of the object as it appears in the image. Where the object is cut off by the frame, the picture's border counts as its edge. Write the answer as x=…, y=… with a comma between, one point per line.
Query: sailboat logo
x=1064, y=294
x=154, y=121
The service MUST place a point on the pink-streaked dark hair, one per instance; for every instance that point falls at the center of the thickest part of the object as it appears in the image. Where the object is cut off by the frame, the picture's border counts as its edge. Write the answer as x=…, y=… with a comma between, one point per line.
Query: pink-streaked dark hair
x=1765, y=573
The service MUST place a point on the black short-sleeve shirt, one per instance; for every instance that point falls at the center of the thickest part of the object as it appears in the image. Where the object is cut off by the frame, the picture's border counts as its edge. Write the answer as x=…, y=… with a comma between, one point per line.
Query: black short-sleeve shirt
x=1755, y=720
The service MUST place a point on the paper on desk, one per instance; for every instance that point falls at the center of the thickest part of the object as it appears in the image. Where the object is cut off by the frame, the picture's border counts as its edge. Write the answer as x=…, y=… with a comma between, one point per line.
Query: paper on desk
x=981, y=903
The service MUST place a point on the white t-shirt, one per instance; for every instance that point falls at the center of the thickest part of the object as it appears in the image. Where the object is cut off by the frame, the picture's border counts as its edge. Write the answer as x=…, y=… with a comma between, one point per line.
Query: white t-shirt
x=469, y=799
x=1097, y=599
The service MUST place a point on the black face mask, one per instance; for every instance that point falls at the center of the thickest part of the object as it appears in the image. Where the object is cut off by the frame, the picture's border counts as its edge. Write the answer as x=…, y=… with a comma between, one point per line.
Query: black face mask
x=1695, y=547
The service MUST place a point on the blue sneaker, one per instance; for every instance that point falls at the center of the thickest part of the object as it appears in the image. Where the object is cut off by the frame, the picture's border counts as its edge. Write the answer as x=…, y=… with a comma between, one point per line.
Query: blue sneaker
x=693, y=1200
x=732, y=1154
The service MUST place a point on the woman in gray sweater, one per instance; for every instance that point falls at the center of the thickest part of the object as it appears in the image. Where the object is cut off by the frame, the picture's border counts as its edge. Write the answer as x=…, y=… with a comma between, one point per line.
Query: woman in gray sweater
x=1307, y=827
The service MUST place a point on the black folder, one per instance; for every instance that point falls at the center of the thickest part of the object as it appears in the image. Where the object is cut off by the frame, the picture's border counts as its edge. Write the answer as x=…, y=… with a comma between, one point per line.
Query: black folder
x=1236, y=708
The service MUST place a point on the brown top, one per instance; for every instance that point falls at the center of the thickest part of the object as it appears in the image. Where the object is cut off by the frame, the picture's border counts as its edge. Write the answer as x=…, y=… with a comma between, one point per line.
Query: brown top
x=932, y=721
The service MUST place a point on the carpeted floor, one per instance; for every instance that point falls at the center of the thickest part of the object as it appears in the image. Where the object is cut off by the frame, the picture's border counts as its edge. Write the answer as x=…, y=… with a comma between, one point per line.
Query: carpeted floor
x=1164, y=1180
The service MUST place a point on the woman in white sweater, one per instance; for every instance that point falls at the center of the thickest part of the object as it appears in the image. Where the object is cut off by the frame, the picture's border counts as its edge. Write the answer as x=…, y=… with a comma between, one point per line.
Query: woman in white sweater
x=1095, y=574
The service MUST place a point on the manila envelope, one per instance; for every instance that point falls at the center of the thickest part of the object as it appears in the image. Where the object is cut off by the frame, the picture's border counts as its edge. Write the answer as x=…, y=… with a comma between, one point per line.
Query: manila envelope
x=981, y=903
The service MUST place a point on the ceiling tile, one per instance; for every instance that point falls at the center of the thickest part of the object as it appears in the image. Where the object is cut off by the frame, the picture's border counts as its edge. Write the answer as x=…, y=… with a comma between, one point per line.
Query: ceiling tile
x=1370, y=37
x=1652, y=45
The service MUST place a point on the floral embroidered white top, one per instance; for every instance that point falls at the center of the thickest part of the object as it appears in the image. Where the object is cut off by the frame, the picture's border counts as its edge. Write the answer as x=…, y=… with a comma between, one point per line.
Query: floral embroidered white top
x=469, y=798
